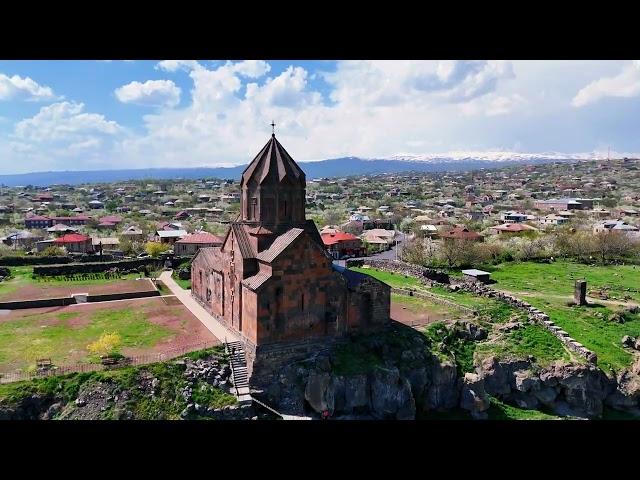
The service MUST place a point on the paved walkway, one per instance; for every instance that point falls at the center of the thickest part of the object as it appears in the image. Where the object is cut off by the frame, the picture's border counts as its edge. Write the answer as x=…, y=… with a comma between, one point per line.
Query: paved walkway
x=194, y=307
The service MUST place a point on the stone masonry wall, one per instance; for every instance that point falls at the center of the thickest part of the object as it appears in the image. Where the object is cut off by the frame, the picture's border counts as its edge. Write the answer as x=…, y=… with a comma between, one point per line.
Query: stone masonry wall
x=423, y=274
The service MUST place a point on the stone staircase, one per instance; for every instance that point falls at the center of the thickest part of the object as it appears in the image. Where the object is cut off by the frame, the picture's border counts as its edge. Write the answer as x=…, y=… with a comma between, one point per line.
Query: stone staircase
x=238, y=363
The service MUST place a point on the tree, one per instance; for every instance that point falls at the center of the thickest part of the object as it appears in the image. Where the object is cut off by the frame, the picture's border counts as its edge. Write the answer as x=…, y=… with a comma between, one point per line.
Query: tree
x=154, y=249
x=407, y=224
x=52, y=251
x=610, y=244
x=451, y=251
x=107, y=344
x=111, y=206
x=332, y=217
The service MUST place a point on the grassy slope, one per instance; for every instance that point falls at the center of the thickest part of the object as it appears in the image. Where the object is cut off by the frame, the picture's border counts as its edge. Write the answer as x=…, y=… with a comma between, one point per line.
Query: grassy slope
x=530, y=340
x=549, y=286
x=25, y=339
x=417, y=305
x=166, y=404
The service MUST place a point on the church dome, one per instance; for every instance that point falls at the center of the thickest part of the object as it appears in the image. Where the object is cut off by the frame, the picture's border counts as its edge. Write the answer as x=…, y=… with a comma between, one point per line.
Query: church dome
x=273, y=164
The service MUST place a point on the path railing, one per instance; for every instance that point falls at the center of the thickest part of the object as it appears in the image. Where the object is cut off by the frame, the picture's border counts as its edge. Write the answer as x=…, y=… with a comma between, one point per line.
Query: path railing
x=96, y=367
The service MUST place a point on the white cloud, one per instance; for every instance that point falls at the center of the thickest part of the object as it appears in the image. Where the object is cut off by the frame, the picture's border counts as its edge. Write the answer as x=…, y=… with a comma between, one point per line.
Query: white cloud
x=252, y=68
x=23, y=88
x=391, y=82
x=364, y=108
x=151, y=93
x=286, y=90
x=626, y=84
x=175, y=65
x=63, y=121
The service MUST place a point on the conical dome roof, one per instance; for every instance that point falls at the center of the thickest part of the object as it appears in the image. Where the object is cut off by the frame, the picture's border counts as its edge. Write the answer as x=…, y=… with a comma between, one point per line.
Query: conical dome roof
x=273, y=162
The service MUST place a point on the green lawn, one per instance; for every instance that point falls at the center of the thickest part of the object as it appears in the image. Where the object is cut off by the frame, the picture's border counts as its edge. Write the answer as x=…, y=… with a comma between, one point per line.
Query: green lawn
x=528, y=340
x=420, y=305
x=50, y=335
x=167, y=403
x=550, y=286
x=394, y=280
x=501, y=411
x=185, y=284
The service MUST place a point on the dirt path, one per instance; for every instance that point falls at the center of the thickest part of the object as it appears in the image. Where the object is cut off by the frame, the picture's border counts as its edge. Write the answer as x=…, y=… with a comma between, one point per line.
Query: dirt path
x=214, y=326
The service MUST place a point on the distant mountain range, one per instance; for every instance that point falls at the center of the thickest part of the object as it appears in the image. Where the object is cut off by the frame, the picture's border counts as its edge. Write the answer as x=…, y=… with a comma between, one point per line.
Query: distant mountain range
x=337, y=167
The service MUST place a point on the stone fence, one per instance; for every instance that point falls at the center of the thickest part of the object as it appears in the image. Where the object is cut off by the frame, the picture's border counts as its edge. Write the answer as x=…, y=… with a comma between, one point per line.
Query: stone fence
x=435, y=299
x=421, y=273
x=534, y=315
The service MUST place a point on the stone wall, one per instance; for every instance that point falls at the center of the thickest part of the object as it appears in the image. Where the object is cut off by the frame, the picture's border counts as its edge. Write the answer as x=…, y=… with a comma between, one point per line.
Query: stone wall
x=94, y=267
x=422, y=273
x=16, y=261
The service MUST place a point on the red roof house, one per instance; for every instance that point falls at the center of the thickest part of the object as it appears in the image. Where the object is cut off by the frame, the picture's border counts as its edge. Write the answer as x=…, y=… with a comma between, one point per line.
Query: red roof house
x=75, y=242
x=339, y=244
x=190, y=244
x=460, y=233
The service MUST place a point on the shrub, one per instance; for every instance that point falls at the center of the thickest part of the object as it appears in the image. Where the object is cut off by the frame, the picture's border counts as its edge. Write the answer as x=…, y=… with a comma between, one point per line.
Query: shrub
x=106, y=345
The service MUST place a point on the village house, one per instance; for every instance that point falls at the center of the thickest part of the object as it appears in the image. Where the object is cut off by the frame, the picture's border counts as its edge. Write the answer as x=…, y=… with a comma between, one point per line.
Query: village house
x=272, y=281
x=460, y=233
x=553, y=219
x=74, y=242
x=513, y=217
x=512, y=229
x=133, y=233
x=564, y=204
x=24, y=240
x=61, y=229
x=616, y=226
x=170, y=236
x=380, y=238
x=340, y=244
x=190, y=244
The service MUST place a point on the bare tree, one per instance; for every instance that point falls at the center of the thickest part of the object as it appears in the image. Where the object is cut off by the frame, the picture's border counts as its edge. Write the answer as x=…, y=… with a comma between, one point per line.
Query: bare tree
x=610, y=244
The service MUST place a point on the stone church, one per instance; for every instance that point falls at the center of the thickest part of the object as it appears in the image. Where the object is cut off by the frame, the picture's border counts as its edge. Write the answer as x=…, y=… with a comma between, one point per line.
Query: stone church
x=271, y=281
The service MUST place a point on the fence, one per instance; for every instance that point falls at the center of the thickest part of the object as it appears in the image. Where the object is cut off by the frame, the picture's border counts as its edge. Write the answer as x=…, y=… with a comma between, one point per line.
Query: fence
x=96, y=367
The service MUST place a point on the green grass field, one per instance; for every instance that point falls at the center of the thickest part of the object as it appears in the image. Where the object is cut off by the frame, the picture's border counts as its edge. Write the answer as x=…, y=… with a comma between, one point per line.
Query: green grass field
x=550, y=286
x=185, y=284
x=420, y=305
x=394, y=280
x=530, y=340
x=52, y=335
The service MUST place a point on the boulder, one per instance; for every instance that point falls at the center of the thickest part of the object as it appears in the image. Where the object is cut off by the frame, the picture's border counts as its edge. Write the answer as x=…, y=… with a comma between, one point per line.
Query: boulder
x=628, y=341
x=473, y=396
x=444, y=392
x=319, y=392
x=391, y=395
x=584, y=387
x=627, y=394
x=546, y=395
x=523, y=400
x=356, y=393
x=526, y=380
x=419, y=380
x=499, y=375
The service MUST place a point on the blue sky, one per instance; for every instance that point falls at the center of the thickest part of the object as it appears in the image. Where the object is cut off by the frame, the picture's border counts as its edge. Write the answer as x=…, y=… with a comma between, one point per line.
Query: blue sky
x=72, y=115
